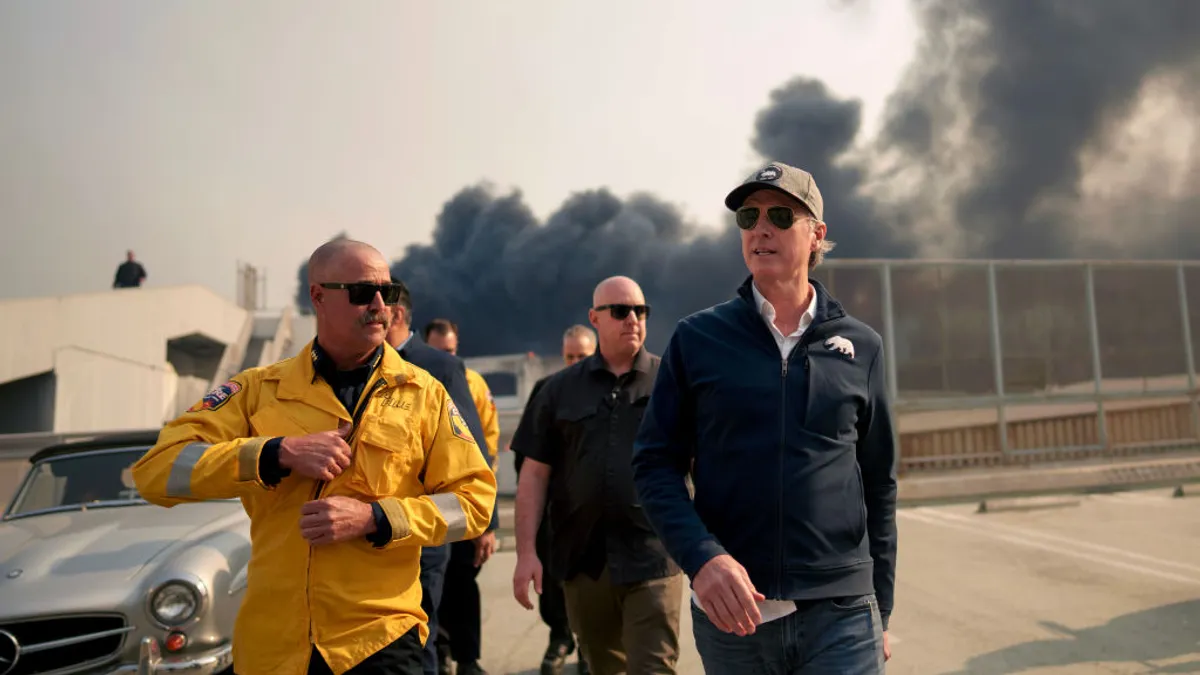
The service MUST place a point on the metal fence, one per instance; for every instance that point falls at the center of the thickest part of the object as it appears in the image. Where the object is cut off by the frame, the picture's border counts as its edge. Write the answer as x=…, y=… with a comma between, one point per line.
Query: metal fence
x=1008, y=362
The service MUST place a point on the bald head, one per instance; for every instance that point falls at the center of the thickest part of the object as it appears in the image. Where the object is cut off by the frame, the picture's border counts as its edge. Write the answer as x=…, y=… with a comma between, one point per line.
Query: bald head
x=618, y=314
x=617, y=290
x=349, y=332
x=324, y=262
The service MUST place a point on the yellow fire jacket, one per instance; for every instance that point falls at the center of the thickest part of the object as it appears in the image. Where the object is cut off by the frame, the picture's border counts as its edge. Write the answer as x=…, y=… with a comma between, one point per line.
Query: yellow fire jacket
x=488, y=417
x=412, y=453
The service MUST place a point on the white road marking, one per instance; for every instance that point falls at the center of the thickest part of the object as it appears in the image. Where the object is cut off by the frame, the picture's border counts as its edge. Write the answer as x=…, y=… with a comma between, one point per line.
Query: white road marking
x=1136, y=498
x=980, y=530
x=1062, y=540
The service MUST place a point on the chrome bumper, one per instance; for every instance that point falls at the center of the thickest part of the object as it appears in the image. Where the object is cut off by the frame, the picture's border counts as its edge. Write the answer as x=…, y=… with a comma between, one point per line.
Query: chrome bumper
x=151, y=661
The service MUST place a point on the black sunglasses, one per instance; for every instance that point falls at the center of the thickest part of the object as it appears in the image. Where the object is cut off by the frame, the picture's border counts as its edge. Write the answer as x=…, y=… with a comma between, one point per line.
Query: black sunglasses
x=620, y=312
x=782, y=217
x=362, y=293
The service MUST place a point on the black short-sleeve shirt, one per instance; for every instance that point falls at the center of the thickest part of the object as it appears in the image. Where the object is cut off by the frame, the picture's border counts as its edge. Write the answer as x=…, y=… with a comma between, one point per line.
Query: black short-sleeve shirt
x=582, y=422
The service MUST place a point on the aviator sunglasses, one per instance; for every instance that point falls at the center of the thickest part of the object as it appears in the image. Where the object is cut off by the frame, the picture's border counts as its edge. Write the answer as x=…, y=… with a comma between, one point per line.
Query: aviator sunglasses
x=362, y=293
x=782, y=217
x=619, y=312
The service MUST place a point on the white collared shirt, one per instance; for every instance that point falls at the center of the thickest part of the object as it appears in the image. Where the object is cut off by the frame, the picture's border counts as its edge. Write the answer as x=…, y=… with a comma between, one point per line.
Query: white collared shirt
x=776, y=609
x=767, y=310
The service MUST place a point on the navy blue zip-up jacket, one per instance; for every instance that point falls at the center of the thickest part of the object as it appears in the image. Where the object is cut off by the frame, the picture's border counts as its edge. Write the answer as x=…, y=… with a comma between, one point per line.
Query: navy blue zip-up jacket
x=451, y=371
x=794, y=460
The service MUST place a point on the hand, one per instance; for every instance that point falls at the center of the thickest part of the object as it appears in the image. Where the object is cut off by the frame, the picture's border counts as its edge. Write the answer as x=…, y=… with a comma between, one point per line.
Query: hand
x=485, y=546
x=334, y=519
x=887, y=648
x=727, y=596
x=529, y=568
x=320, y=456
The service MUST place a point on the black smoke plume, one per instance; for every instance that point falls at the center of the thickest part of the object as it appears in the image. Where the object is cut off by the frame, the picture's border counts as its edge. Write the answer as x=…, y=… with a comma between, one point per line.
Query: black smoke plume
x=1009, y=136
x=805, y=126
x=513, y=284
x=1007, y=103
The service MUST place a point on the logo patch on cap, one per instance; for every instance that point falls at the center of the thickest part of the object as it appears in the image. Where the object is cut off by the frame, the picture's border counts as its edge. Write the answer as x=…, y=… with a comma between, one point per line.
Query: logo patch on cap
x=769, y=173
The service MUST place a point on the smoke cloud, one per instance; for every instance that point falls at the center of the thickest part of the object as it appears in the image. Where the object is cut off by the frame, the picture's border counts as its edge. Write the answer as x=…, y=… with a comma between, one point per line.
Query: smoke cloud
x=513, y=284
x=805, y=126
x=1036, y=130
x=1027, y=130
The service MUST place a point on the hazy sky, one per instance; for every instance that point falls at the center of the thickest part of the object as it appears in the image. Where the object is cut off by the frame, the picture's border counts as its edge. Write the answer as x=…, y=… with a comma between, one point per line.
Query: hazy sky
x=204, y=133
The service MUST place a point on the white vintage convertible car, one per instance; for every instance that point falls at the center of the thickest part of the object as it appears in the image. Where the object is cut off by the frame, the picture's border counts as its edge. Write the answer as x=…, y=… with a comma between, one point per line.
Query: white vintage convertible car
x=93, y=579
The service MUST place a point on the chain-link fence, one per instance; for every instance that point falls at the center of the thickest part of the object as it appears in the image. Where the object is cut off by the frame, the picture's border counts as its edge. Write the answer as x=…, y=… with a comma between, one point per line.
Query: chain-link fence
x=1005, y=362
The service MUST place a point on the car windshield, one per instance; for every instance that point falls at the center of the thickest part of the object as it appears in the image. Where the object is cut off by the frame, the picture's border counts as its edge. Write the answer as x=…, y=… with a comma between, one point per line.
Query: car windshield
x=101, y=478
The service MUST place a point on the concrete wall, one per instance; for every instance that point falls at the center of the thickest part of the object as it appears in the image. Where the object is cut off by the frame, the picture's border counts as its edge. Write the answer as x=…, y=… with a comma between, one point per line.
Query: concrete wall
x=189, y=390
x=304, y=329
x=100, y=392
x=133, y=324
x=116, y=359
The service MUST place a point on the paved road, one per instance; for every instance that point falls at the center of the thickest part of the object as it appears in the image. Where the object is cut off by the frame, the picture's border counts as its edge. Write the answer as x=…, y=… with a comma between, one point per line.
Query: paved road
x=1097, y=584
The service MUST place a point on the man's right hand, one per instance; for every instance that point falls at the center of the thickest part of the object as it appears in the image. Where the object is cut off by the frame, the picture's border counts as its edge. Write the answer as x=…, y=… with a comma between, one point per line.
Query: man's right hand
x=529, y=568
x=727, y=596
x=321, y=456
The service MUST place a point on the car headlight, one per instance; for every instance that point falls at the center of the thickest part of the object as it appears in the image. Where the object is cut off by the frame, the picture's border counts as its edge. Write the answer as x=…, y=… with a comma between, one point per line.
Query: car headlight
x=174, y=603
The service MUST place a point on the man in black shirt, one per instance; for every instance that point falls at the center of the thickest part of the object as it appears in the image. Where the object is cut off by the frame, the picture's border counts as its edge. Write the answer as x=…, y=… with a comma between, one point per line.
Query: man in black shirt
x=130, y=274
x=579, y=342
x=623, y=592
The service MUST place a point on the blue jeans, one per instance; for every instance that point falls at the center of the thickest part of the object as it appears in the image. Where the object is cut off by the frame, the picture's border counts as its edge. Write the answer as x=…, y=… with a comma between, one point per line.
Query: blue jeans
x=433, y=573
x=836, y=636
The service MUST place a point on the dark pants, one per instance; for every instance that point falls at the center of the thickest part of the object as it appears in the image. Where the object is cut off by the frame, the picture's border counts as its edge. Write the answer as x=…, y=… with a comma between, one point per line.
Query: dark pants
x=627, y=628
x=434, y=561
x=402, y=657
x=459, y=613
x=836, y=636
x=552, y=604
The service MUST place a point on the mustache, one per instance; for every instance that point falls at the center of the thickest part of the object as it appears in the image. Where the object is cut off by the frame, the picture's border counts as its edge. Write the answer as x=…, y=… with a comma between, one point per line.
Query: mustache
x=370, y=316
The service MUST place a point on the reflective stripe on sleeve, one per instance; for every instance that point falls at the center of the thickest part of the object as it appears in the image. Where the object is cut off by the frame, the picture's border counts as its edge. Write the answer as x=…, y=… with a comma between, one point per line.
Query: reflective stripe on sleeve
x=452, y=512
x=179, y=482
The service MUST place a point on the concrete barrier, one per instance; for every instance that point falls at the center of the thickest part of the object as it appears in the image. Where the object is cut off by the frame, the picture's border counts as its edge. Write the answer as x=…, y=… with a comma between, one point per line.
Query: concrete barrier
x=1035, y=480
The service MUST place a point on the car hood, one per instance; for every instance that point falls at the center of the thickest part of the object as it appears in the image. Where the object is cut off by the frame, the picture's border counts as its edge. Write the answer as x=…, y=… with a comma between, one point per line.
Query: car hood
x=78, y=552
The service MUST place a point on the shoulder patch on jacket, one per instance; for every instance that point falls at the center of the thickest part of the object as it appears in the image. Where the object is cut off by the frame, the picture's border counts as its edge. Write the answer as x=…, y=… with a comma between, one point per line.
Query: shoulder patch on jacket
x=217, y=397
x=458, y=425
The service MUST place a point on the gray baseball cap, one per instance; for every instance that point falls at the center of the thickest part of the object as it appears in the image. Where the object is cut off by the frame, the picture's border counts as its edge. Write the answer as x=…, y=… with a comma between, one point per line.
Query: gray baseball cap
x=787, y=179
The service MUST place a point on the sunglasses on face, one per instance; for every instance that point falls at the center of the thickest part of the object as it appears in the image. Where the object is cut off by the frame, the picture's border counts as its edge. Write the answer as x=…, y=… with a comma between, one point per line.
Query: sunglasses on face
x=620, y=312
x=782, y=217
x=362, y=293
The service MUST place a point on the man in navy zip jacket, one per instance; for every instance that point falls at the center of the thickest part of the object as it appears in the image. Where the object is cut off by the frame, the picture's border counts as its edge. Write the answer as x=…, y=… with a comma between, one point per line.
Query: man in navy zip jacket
x=451, y=372
x=776, y=403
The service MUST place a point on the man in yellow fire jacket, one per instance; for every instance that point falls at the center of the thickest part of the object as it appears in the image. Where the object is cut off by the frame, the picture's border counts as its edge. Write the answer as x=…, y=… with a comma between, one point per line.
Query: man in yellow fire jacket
x=443, y=334
x=488, y=415
x=347, y=460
